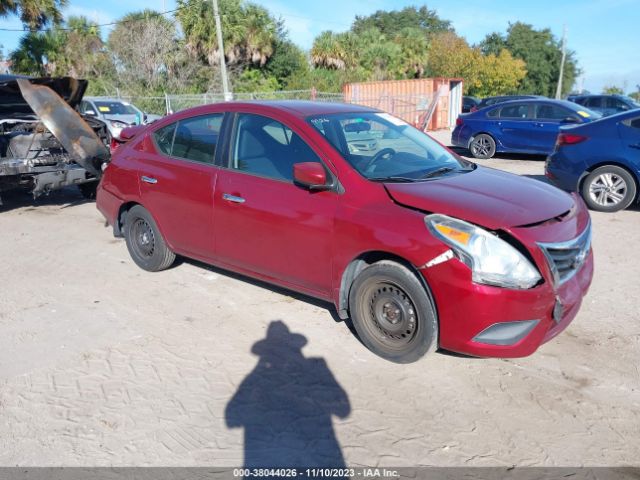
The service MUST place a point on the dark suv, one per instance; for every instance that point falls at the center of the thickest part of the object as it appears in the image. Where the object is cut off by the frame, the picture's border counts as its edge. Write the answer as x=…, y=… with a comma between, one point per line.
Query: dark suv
x=605, y=104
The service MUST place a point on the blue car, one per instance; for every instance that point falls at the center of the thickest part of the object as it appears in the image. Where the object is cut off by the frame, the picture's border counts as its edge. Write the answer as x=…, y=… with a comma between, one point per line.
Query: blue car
x=519, y=126
x=605, y=104
x=600, y=160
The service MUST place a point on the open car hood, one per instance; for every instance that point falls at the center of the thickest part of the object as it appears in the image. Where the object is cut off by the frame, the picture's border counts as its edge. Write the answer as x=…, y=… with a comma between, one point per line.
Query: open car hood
x=486, y=197
x=12, y=102
x=58, y=115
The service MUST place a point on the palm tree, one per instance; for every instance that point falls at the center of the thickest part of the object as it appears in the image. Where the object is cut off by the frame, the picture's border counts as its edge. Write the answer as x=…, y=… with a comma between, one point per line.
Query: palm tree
x=249, y=31
x=34, y=13
x=332, y=51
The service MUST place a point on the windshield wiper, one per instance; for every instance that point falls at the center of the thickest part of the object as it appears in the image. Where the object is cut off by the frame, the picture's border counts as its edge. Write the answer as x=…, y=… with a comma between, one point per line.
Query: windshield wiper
x=442, y=170
x=438, y=171
x=392, y=179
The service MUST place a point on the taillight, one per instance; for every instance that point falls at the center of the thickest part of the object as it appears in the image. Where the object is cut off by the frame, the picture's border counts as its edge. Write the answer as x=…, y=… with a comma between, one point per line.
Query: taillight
x=459, y=121
x=569, y=139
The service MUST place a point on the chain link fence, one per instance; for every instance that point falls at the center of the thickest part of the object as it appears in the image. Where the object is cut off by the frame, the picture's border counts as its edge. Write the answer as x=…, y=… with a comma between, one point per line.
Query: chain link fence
x=415, y=109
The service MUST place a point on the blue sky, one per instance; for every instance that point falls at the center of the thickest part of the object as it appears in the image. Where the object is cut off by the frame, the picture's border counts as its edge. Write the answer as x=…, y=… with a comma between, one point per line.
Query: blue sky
x=604, y=33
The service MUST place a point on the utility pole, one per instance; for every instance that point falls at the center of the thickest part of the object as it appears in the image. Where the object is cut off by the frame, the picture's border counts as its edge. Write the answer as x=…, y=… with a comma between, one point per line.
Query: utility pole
x=223, y=66
x=564, y=56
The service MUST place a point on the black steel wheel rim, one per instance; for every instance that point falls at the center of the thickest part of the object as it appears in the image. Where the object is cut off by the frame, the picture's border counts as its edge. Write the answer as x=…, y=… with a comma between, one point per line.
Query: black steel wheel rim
x=144, y=240
x=391, y=316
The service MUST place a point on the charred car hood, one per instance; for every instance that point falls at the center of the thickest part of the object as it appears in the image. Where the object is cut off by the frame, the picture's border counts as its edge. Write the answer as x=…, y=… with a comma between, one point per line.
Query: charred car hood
x=486, y=197
x=71, y=90
x=75, y=135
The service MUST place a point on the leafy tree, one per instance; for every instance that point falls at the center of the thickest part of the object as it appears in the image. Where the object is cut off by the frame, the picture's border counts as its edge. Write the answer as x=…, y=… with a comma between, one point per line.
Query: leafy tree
x=34, y=13
x=484, y=75
x=497, y=75
x=612, y=90
x=390, y=22
x=148, y=55
x=542, y=54
x=253, y=80
x=636, y=95
x=286, y=62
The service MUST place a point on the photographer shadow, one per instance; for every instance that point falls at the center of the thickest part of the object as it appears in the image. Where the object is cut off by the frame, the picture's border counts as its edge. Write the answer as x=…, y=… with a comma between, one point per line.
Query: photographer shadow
x=286, y=404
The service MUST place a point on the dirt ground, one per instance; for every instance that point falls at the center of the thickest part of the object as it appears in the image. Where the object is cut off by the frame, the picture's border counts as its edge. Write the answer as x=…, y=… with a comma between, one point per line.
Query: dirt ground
x=104, y=364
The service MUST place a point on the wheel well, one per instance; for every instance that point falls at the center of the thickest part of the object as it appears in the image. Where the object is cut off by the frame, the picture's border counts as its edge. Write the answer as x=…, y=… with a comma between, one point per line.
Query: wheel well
x=604, y=164
x=122, y=215
x=360, y=263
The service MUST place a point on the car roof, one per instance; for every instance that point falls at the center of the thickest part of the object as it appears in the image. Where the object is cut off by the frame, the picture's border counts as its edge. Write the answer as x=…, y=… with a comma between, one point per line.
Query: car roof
x=306, y=108
x=298, y=108
x=564, y=103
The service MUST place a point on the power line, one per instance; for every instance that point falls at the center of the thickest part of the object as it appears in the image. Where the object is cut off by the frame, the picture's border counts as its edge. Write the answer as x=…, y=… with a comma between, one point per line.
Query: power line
x=118, y=22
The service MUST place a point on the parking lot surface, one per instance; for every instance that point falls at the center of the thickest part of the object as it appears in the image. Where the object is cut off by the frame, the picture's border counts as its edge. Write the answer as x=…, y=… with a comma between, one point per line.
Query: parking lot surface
x=102, y=363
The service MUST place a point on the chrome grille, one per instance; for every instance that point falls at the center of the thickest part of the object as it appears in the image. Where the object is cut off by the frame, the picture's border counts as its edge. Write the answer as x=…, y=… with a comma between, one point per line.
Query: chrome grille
x=567, y=258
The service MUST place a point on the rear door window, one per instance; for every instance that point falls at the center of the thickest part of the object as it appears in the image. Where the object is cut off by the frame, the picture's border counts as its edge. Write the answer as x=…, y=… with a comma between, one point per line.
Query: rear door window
x=593, y=102
x=193, y=138
x=517, y=111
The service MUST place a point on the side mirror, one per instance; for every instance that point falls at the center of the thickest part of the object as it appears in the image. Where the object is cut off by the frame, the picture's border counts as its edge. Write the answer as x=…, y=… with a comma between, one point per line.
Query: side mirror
x=91, y=113
x=310, y=175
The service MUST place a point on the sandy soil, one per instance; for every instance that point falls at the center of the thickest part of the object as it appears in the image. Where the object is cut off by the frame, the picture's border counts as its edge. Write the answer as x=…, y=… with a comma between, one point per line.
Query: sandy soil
x=104, y=364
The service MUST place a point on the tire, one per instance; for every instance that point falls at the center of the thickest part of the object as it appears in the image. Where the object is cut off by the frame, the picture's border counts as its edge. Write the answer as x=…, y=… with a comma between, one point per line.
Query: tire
x=144, y=241
x=482, y=146
x=609, y=189
x=392, y=313
x=88, y=190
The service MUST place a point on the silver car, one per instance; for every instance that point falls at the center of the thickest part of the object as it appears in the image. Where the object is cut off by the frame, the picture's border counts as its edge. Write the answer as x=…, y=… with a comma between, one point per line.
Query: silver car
x=116, y=113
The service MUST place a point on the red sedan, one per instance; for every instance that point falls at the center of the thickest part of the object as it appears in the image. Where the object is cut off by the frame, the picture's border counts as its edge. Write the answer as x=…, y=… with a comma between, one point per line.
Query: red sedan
x=418, y=247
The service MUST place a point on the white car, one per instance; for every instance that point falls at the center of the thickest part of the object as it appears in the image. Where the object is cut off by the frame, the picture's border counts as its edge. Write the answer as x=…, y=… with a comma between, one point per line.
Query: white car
x=116, y=113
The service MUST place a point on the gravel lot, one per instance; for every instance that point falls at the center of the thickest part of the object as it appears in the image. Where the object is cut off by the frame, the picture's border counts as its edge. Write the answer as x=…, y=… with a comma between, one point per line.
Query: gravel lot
x=104, y=364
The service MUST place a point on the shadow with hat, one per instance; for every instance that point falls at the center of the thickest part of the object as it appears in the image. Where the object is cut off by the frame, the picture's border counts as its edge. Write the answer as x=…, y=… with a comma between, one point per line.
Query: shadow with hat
x=286, y=404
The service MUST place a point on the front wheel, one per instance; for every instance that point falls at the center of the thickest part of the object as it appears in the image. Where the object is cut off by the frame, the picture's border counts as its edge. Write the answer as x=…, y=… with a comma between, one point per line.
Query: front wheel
x=144, y=241
x=392, y=313
x=609, y=189
x=483, y=146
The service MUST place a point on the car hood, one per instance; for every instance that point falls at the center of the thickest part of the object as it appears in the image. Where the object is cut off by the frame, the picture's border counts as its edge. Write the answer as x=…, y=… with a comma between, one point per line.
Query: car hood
x=486, y=197
x=12, y=102
x=75, y=135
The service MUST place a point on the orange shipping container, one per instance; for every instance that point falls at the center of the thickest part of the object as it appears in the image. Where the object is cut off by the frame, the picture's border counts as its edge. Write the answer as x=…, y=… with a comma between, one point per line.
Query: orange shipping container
x=412, y=100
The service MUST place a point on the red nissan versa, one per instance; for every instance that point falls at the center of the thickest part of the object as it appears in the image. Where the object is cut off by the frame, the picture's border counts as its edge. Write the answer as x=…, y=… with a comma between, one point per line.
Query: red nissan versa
x=417, y=246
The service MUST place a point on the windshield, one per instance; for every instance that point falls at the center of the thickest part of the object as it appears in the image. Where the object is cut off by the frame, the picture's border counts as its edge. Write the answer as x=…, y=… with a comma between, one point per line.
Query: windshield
x=382, y=147
x=631, y=101
x=115, y=108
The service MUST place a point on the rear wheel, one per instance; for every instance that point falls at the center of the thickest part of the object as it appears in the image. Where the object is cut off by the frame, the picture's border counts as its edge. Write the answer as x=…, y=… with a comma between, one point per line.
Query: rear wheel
x=483, y=146
x=145, y=243
x=609, y=189
x=392, y=313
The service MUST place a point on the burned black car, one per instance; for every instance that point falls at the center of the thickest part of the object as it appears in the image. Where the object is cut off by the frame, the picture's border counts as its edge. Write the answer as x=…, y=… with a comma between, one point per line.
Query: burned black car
x=44, y=143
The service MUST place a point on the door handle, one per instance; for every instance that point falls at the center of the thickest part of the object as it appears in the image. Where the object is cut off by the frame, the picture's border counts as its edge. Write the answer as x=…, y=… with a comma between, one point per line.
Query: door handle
x=635, y=145
x=232, y=198
x=148, y=179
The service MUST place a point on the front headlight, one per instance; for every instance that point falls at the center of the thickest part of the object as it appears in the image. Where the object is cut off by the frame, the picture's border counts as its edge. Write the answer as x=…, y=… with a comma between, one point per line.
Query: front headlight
x=492, y=260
